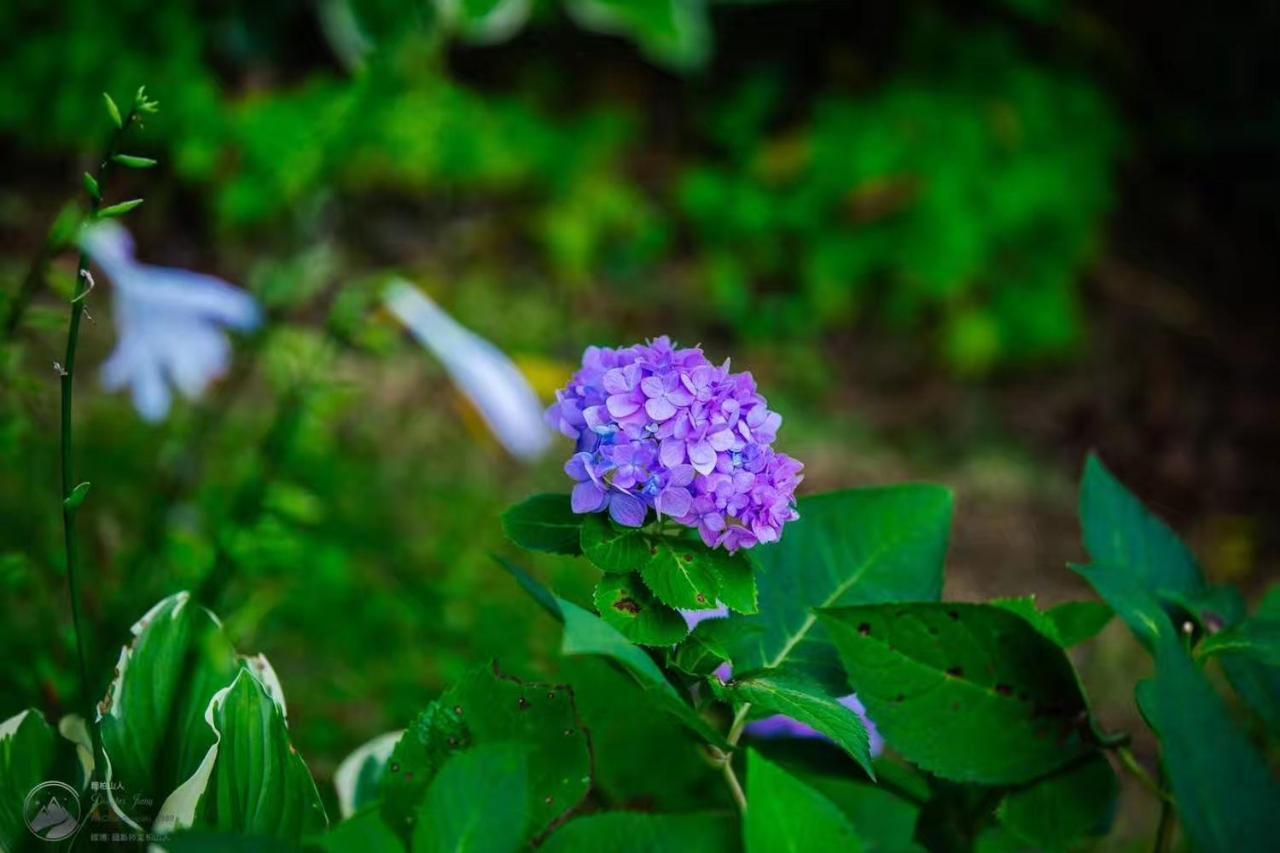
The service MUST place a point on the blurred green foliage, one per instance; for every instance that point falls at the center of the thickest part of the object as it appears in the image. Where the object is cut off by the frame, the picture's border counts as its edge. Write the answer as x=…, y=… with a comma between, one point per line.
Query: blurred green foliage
x=962, y=194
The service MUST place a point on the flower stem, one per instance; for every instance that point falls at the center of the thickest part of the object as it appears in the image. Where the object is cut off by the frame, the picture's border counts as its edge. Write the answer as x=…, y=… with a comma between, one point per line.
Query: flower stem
x=71, y=508
x=726, y=758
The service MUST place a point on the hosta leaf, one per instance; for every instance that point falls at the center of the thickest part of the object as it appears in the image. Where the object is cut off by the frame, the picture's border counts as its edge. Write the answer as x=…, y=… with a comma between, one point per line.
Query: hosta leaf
x=477, y=803
x=154, y=733
x=1057, y=812
x=807, y=702
x=251, y=781
x=1119, y=531
x=680, y=574
x=358, y=779
x=612, y=548
x=785, y=814
x=634, y=832
x=28, y=754
x=970, y=692
x=587, y=634
x=487, y=707
x=852, y=547
x=544, y=523
x=626, y=604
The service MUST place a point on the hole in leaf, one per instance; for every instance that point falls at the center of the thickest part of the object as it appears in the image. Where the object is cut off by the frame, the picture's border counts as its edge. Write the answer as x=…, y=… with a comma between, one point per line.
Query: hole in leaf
x=457, y=709
x=955, y=617
x=1004, y=689
x=395, y=768
x=626, y=605
x=864, y=629
x=956, y=672
x=522, y=703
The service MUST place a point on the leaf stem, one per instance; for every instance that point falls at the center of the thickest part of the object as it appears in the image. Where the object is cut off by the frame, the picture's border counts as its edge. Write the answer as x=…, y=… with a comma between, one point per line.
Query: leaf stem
x=725, y=759
x=1140, y=773
x=1164, y=829
x=70, y=509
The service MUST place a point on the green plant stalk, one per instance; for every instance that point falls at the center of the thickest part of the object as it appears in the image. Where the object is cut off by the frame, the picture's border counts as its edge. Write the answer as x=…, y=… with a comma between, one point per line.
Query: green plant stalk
x=70, y=510
x=730, y=777
x=1164, y=829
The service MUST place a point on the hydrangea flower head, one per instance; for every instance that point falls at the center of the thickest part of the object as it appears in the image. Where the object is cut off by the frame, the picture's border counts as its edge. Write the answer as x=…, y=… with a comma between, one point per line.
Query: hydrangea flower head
x=659, y=427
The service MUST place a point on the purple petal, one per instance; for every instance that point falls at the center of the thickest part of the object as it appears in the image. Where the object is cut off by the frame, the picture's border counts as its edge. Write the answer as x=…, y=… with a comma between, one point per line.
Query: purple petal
x=703, y=456
x=674, y=501
x=587, y=497
x=621, y=405
x=652, y=386
x=658, y=408
x=671, y=452
x=627, y=510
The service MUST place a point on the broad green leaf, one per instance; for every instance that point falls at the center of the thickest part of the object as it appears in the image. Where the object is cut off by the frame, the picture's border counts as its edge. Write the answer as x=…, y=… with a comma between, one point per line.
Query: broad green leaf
x=1122, y=591
x=251, y=780
x=634, y=832
x=735, y=580
x=358, y=779
x=477, y=803
x=435, y=735
x=1078, y=621
x=630, y=736
x=1257, y=638
x=1057, y=812
x=785, y=814
x=612, y=548
x=704, y=650
x=626, y=604
x=544, y=523
x=483, y=21
x=587, y=634
x=852, y=547
x=806, y=701
x=884, y=820
x=487, y=707
x=364, y=831
x=1120, y=532
x=153, y=727
x=1067, y=624
x=1225, y=793
x=204, y=841
x=680, y=574
x=1258, y=685
x=970, y=692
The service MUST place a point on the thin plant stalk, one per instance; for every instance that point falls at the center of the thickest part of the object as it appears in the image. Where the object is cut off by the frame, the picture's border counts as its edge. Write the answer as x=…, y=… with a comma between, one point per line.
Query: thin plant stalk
x=67, y=371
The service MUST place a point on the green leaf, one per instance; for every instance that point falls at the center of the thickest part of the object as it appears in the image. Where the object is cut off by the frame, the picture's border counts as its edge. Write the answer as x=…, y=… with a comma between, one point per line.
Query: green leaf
x=612, y=548
x=852, y=547
x=680, y=574
x=626, y=604
x=884, y=820
x=91, y=186
x=1119, y=531
x=364, y=831
x=633, y=832
x=479, y=801
x=1225, y=793
x=704, y=650
x=675, y=33
x=785, y=814
x=113, y=111
x=251, y=781
x=27, y=755
x=129, y=161
x=1258, y=685
x=1058, y=812
x=544, y=523
x=119, y=209
x=153, y=728
x=358, y=779
x=1078, y=621
x=970, y=692
x=1257, y=639
x=587, y=634
x=735, y=580
x=803, y=700
x=486, y=707
x=77, y=496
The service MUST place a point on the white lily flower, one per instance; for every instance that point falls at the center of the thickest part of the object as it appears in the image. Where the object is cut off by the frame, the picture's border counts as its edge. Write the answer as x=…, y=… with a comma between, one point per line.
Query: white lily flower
x=481, y=371
x=171, y=324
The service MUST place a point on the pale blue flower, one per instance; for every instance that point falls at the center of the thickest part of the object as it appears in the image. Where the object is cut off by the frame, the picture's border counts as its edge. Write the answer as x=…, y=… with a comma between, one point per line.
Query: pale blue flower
x=481, y=371
x=171, y=324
